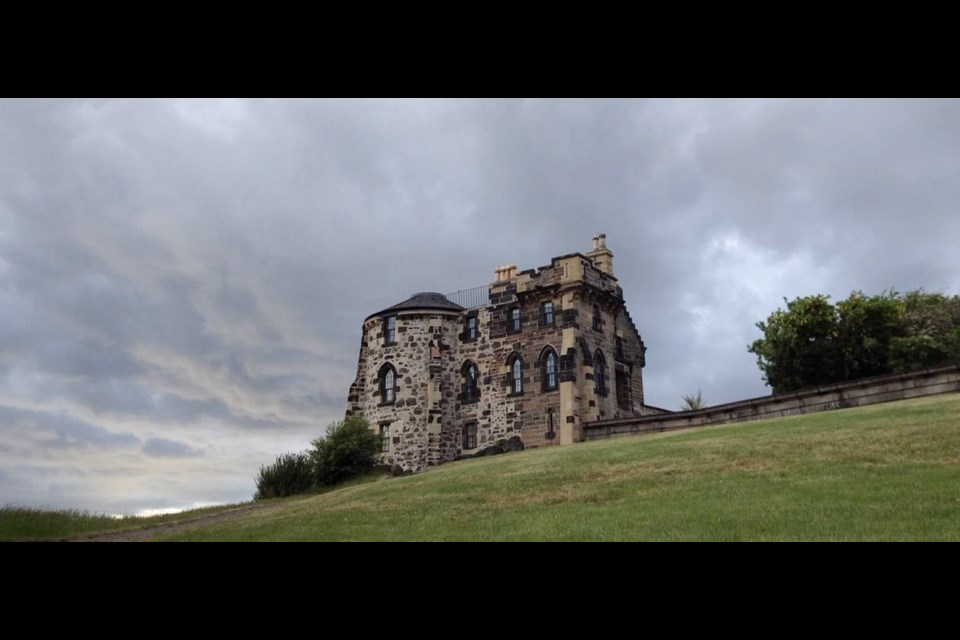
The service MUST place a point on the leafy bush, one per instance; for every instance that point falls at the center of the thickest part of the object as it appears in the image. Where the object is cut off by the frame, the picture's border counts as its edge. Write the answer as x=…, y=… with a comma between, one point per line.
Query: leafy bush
x=292, y=473
x=349, y=449
x=814, y=342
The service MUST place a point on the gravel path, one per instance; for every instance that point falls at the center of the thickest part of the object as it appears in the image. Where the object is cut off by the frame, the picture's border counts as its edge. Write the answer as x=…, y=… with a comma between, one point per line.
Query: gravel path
x=151, y=531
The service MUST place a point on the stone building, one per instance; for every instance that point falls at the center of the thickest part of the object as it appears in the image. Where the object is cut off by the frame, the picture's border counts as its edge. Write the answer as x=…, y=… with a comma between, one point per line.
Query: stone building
x=531, y=358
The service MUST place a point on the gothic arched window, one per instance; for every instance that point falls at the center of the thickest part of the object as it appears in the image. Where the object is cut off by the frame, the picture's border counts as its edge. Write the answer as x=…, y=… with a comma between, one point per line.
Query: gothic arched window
x=471, y=382
x=388, y=384
x=599, y=374
x=548, y=359
x=516, y=374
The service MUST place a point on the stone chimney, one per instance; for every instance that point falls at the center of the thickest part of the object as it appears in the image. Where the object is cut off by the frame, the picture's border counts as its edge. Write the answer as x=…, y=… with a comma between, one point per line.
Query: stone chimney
x=505, y=273
x=601, y=257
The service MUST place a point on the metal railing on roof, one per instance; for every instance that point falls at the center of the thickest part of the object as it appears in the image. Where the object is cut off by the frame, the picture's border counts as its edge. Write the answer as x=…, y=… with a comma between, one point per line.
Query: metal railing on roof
x=471, y=298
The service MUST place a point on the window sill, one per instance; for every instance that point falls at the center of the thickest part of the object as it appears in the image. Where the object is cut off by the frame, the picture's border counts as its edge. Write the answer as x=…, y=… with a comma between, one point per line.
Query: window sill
x=387, y=404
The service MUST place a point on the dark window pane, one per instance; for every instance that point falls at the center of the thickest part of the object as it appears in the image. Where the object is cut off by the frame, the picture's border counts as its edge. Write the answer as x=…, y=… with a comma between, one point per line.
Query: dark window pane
x=551, y=371
x=390, y=330
x=547, y=313
x=515, y=319
x=470, y=435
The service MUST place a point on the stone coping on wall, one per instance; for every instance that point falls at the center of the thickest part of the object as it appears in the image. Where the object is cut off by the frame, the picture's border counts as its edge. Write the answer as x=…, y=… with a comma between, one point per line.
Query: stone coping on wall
x=855, y=393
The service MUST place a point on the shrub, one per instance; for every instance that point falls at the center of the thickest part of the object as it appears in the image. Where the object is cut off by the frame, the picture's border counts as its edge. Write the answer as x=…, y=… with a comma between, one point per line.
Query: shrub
x=292, y=473
x=349, y=449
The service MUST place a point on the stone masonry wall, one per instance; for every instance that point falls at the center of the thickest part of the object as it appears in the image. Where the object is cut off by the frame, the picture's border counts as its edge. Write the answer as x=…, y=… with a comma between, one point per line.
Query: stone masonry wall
x=416, y=417
x=535, y=413
x=887, y=388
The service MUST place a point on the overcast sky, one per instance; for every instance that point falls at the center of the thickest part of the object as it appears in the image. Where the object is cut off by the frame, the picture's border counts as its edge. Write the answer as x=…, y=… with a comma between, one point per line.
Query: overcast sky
x=182, y=283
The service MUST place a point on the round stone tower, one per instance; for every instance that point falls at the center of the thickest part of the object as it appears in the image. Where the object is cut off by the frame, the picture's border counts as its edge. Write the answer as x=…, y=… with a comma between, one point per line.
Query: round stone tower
x=403, y=375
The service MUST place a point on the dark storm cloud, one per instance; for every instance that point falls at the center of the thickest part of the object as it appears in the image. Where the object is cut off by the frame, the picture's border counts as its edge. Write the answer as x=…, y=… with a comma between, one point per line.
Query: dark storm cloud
x=196, y=272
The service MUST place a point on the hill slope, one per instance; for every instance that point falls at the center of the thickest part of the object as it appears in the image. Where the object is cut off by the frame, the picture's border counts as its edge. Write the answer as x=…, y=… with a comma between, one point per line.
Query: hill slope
x=886, y=472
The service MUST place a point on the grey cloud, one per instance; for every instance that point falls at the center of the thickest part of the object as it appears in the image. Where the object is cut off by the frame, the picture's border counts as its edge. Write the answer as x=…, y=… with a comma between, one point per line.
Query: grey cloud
x=163, y=448
x=67, y=432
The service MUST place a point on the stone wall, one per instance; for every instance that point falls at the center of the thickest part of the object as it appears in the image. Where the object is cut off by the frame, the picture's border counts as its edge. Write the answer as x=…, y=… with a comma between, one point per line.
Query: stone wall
x=933, y=381
x=423, y=358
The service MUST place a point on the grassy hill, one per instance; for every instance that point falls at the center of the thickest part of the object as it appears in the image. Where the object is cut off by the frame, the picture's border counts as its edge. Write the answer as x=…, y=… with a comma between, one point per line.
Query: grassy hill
x=886, y=472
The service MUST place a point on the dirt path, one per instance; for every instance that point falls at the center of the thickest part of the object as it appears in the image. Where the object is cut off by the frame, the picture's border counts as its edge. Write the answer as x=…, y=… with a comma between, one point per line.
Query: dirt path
x=149, y=532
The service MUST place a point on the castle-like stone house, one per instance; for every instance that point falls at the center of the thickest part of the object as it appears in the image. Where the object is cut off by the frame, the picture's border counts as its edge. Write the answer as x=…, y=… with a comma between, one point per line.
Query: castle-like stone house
x=534, y=356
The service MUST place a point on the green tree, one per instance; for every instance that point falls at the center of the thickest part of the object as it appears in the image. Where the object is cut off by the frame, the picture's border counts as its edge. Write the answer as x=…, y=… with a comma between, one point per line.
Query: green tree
x=349, y=449
x=813, y=342
x=930, y=331
x=800, y=346
x=866, y=327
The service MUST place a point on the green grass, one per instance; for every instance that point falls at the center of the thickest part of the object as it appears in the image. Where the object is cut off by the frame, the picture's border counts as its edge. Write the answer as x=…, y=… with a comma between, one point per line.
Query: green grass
x=886, y=472
x=25, y=523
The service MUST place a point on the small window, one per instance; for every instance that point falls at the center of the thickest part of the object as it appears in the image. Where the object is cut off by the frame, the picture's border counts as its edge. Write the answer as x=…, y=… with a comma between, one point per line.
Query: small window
x=385, y=438
x=514, y=324
x=596, y=318
x=388, y=384
x=516, y=375
x=389, y=330
x=546, y=313
x=470, y=328
x=471, y=388
x=619, y=347
x=470, y=435
x=599, y=374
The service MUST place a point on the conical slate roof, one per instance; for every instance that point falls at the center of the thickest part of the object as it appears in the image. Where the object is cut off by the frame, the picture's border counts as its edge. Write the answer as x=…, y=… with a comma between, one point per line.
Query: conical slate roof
x=424, y=300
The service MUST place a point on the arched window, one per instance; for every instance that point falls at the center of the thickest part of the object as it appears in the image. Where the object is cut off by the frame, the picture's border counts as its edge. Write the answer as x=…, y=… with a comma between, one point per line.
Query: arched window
x=548, y=359
x=471, y=386
x=388, y=384
x=599, y=374
x=516, y=374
